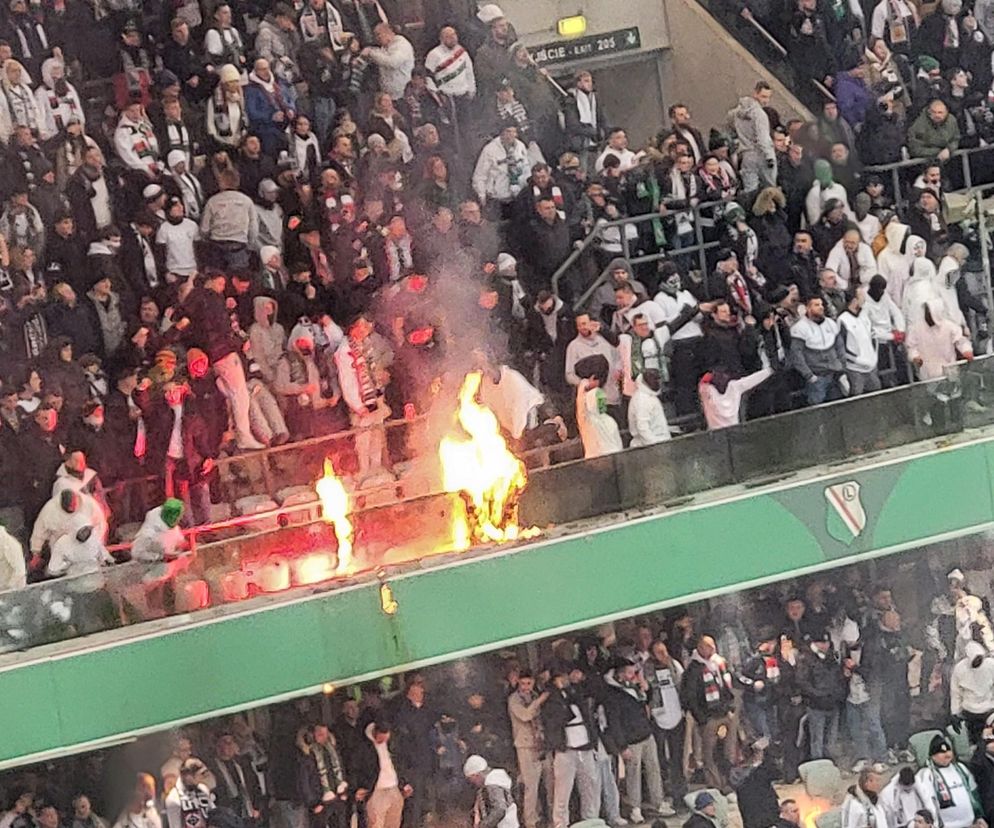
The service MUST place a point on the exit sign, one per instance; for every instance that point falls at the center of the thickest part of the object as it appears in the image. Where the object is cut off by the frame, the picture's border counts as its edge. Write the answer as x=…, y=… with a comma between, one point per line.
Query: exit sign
x=622, y=40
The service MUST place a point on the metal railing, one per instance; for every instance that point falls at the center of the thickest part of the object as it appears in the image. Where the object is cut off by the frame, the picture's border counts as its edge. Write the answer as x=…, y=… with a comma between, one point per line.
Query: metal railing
x=596, y=235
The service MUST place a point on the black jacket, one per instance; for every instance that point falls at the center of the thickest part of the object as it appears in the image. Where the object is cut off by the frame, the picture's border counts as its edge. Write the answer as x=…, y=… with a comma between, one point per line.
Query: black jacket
x=366, y=765
x=557, y=712
x=309, y=779
x=982, y=766
x=820, y=680
x=694, y=694
x=627, y=718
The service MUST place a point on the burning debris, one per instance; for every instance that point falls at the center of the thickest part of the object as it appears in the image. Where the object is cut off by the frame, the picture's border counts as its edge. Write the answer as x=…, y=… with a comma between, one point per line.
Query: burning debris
x=335, y=509
x=479, y=467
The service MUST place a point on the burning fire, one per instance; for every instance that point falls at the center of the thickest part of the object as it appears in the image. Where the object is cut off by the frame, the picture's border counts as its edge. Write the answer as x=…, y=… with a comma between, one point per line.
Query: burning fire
x=335, y=509
x=811, y=811
x=483, y=471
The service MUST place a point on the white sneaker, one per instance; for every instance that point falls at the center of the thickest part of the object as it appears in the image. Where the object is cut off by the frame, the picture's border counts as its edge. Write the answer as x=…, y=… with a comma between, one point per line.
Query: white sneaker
x=860, y=766
x=732, y=798
x=635, y=817
x=665, y=810
x=251, y=445
x=879, y=767
x=620, y=822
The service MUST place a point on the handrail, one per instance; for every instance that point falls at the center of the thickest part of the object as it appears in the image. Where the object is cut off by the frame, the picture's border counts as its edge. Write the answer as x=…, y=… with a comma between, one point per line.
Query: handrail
x=596, y=232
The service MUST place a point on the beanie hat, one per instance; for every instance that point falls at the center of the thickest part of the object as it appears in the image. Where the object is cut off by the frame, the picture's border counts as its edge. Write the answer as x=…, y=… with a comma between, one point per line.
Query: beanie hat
x=506, y=264
x=267, y=251
x=939, y=744
x=927, y=63
x=172, y=511
x=474, y=765
x=228, y=73
x=489, y=12
x=267, y=185
x=174, y=157
x=734, y=212
x=823, y=172
x=702, y=800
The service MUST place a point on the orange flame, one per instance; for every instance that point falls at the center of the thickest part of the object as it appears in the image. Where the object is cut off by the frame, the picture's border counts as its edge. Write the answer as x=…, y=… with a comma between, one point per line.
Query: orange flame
x=335, y=509
x=481, y=469
x=810, y=813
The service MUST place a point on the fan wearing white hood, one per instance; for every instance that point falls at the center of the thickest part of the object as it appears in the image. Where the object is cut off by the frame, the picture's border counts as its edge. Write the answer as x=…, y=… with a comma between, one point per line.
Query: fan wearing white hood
x=190, y=189
x=952, y=288
x=971, y=688
x=895, y=260
x=921, y=288
x=57, y=100
x=933, y=341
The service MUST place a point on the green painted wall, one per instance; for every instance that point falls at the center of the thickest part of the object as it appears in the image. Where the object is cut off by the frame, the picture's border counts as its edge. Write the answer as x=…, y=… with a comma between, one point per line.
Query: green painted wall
x=193, y=671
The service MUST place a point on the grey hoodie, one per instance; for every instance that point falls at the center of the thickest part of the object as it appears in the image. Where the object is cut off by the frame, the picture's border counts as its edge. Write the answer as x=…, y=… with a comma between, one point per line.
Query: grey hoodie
x=267, y=339
x=752, y=128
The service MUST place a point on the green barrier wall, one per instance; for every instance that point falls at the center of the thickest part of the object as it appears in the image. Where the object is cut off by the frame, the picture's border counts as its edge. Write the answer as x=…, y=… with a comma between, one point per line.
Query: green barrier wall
x=115, y=687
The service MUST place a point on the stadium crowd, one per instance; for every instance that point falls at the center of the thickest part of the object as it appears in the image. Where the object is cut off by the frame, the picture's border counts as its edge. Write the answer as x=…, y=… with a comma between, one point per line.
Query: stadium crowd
x=685, y=713
x=229, y=226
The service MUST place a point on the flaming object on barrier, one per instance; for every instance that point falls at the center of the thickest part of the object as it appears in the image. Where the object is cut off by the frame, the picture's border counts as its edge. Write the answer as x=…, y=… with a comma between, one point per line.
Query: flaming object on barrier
x=335, y=509
x=478, y=466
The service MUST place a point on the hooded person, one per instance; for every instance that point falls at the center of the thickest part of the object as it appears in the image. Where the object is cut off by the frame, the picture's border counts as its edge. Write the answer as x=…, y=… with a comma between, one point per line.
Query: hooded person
x=971, y=689
x=494, y=806
x=59, y=516
x=267, y=337
x=895, y=260
x=903, y=798
x=823, y=189
x=951, y=285
x=922, y=286
x=886, y=319
x=190, y=189
x=646, y=417
x=935, y=341
x=298, y=381
x=78, y=553
x=721, y=395
x=274, y=276
x=75, y=475
x=271, y=215
x=598, y=431
x=160, y=534
x=949, y=786
x=868, y=223
x=57, y=101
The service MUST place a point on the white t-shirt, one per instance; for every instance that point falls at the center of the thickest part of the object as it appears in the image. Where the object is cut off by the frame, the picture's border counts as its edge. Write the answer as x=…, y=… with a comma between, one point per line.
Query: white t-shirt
x=178, y=240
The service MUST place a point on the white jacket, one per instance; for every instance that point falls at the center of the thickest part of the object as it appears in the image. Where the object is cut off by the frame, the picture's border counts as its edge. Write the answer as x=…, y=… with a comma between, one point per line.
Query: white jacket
x=54, y=112
x=885, y=317
x=13, y=574
x=155, y=541
x=838, y=261
x=500, y=172
x=901, y=804
x=818, y=197
x=512, y=399
x=971, y=689
x=598, y=431
x=861, y=349
x=894, y=261
x=72, y=557
x=722, y=410
x=859, y=812
x=646, y=418
x=935, y=345
x=395, y=62
x=53, y=522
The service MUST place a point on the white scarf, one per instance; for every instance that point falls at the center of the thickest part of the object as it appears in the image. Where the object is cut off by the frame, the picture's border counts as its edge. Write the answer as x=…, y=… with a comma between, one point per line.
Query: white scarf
x=399, y=257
